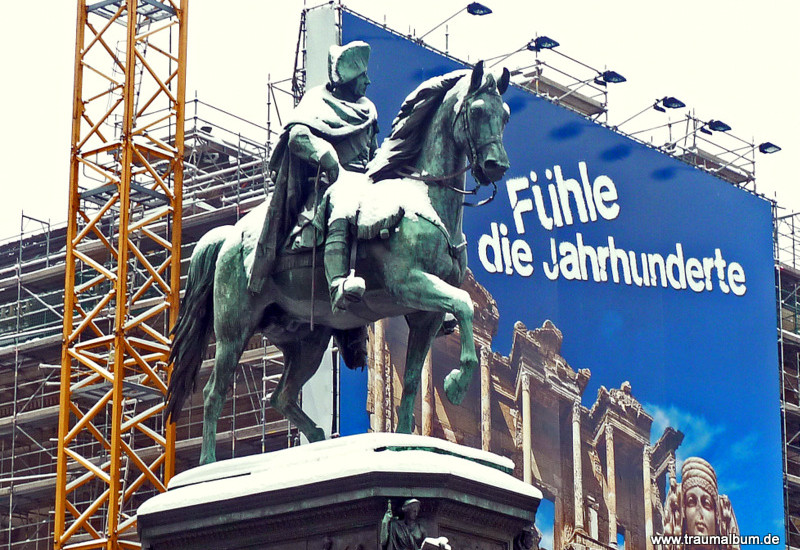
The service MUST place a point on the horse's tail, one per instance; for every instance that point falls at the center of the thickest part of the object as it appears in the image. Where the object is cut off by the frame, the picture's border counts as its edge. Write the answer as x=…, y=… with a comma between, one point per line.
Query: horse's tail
x=195, y=321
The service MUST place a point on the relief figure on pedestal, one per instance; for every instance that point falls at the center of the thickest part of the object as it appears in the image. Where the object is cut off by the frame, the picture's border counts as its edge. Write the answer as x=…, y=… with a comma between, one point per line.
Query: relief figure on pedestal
x=528, y=539
x=402, y=533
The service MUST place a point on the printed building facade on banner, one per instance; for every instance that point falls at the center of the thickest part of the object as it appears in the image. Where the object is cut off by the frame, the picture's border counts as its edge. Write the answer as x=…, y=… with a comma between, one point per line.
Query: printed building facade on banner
x=535, y=391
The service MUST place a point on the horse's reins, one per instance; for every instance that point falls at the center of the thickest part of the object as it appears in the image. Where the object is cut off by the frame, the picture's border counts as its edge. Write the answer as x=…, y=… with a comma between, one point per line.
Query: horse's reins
x=443, y=181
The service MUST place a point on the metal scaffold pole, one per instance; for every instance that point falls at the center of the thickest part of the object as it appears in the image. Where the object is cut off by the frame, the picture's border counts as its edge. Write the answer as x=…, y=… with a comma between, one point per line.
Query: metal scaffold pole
x=122, y=267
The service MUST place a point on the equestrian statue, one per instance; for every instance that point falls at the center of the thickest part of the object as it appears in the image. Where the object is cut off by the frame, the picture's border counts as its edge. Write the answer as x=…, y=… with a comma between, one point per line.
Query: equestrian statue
x=351, y=234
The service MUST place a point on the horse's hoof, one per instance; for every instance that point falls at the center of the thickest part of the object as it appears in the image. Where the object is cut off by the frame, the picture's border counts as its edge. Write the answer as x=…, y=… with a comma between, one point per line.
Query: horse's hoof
x=207, y=459
x=316, y=434
x=405, y=425
x=453, y=389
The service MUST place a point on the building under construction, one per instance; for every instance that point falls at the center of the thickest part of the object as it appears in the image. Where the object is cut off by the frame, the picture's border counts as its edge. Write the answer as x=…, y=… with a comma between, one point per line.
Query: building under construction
x=787, y=276
x=224, y=177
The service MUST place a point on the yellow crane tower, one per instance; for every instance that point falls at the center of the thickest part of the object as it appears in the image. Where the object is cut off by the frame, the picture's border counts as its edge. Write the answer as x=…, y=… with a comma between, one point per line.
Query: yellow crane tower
x=124, y=230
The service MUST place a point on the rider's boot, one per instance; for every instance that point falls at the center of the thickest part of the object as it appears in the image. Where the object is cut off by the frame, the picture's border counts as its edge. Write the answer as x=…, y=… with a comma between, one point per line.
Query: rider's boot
x=345, y=287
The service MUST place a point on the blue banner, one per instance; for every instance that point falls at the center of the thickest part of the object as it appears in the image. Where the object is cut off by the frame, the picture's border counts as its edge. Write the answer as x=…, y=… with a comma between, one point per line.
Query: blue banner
x=656, y=273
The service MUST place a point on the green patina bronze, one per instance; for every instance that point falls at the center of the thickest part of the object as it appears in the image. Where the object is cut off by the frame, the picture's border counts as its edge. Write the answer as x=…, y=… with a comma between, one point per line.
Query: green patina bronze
x=412, y=264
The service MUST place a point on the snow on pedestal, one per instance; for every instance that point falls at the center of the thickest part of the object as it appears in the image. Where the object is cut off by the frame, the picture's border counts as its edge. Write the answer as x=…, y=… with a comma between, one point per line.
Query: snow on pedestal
x=333, y=495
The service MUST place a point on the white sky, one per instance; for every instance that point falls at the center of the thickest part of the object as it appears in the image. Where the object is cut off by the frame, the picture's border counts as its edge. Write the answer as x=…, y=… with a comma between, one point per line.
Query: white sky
x=734, y=60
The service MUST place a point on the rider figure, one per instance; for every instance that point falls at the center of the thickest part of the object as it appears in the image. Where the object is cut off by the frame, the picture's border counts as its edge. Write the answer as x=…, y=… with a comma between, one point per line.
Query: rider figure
x=333, y=126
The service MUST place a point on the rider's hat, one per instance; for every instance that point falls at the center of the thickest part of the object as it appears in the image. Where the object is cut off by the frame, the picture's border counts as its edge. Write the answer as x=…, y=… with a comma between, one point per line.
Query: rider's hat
x=347, y=62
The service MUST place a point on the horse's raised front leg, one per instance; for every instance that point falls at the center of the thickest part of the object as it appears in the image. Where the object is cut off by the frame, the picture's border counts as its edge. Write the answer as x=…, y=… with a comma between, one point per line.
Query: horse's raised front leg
x=422, y=329
x=215, y=392
x=301, y=360
x=428, y=292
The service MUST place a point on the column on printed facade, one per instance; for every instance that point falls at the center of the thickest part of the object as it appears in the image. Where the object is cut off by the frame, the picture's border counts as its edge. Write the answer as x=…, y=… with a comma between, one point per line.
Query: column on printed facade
x=577, y=467
x=526, y=428
x=486, y=399
x=648, y=497
x=612, y=486
x=378, y=380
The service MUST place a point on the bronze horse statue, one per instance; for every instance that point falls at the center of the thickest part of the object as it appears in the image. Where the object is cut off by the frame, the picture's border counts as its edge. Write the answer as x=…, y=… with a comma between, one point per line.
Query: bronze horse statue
x=448, y=125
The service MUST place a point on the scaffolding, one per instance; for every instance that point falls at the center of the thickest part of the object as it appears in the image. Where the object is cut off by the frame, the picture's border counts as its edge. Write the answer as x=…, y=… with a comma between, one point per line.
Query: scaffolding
x=224, y=171
x=225, y=177
x=787, y=282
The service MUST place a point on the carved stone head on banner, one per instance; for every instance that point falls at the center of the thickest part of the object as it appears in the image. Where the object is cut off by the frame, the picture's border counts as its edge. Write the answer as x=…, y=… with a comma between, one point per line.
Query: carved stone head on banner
x=695, y=508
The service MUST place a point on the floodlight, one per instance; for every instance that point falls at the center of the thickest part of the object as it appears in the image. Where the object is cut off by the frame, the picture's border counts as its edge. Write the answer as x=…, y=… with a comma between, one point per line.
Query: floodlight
x=718, y=126
x=606, y=77
x=673, y=103
x=768, y=148
x=661, y=105
x=613, y=77
x=542, y=43
x=476, y=8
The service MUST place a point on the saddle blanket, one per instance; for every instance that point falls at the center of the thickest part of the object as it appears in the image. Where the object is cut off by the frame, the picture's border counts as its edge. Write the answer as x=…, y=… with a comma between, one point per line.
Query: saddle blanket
x=373, y=207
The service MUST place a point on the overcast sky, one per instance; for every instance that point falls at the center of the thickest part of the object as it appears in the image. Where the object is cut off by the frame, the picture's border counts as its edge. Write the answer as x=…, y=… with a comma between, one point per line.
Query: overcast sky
x=733, y=60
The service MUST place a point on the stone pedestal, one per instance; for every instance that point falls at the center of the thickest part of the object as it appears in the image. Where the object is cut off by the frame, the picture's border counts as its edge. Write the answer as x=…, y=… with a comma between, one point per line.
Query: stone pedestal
x=333, y=495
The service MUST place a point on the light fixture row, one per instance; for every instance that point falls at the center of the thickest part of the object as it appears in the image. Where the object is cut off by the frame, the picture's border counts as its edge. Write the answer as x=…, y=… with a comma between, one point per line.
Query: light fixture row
x=606, y=77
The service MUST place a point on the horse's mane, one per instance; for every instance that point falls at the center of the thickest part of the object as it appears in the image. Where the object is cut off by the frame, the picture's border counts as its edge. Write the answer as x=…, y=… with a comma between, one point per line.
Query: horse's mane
x=405, y=141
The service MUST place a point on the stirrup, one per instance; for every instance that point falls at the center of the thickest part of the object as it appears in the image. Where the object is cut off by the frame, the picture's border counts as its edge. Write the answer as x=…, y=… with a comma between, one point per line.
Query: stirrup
x=347, y=290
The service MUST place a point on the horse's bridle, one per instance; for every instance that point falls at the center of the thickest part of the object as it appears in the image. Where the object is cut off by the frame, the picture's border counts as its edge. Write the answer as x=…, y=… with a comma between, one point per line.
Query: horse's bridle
x=473, y=154
x=473, y=147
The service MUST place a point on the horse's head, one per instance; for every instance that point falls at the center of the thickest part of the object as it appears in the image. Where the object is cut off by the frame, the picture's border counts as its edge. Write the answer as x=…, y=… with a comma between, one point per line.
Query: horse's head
x=480, y=120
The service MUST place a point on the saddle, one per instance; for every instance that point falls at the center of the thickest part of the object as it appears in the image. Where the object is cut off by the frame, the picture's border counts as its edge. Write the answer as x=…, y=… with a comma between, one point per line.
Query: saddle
x=372, y=209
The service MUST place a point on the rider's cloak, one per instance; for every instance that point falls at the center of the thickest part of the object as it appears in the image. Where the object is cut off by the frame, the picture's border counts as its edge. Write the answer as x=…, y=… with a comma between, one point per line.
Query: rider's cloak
x=347, y=127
